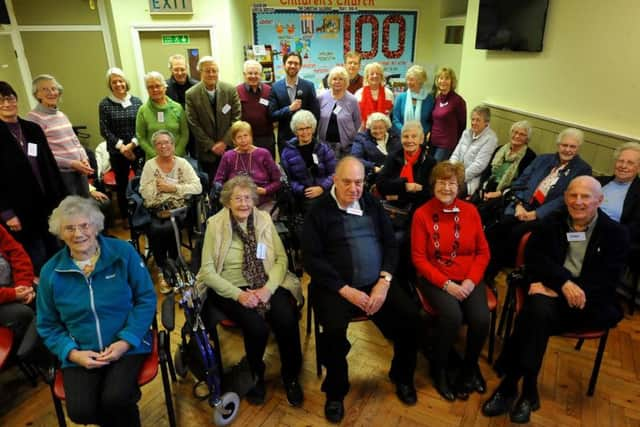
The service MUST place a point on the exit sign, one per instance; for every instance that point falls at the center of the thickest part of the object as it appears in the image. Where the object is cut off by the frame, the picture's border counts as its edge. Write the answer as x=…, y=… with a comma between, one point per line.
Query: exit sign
x=176, y=39
x=170, y=6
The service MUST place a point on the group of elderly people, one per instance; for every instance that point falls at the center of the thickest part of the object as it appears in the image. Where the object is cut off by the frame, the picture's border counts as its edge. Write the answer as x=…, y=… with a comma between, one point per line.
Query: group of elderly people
x=95, y=300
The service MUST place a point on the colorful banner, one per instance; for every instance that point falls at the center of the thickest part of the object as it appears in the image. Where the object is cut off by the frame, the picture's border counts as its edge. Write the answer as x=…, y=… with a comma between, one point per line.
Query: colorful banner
x=322, y=37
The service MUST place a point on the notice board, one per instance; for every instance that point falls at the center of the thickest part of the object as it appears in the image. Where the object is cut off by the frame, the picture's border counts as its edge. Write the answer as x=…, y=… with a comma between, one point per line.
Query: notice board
x=323, y=35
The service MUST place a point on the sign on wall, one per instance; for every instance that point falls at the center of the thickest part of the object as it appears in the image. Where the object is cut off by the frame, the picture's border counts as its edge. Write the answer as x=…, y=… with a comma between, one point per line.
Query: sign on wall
x=170, y=6
x=323, y=35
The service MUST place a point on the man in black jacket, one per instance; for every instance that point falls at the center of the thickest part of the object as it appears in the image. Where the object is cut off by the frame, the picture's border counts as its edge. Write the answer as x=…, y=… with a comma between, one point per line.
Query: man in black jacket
x=575, y=261
x=350, y=252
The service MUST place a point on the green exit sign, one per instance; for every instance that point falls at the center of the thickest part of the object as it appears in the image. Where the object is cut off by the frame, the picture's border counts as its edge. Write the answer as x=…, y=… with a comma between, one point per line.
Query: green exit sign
x=176, y=39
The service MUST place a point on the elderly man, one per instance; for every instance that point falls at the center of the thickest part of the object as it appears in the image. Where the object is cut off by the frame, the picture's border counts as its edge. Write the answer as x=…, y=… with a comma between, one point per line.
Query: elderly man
x=575, y=260
x=350, y=253
x=179, y=82
x=212, y=107
x=289, y=95
x=254, y=98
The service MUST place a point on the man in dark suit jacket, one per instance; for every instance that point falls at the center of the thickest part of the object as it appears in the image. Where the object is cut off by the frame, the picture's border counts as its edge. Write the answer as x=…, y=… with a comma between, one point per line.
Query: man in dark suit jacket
x=212, y=107
x=575, y=260
x=289, y=95
x=177, y=86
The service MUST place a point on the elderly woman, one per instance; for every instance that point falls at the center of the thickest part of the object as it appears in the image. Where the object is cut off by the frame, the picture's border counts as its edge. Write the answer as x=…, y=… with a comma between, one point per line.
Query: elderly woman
x=475, y=148
x=449, y=115
x=309, y=164
x=16, y=286
x=374, y=96
x=376, y=143
x=415, y=103
x=26, y=159
x=166, y=183
x=247, y=159
x=117, y=114
x=404, y=178
x=541, y=189
x=95, y=305
x=160, y=113
x=339, y=114
x=450, y=254
x=65, y=146
x=244, y=273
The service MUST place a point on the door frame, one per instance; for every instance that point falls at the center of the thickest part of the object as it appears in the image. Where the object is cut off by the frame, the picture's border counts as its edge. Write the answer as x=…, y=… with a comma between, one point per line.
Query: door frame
x=137, y=46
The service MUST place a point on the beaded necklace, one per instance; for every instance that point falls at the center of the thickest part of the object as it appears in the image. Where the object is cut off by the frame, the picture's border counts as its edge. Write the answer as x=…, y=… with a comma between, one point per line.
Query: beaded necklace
x=456, y=238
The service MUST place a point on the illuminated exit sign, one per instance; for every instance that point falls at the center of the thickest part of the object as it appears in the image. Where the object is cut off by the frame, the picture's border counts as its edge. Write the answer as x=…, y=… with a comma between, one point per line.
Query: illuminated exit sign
x=176, y=39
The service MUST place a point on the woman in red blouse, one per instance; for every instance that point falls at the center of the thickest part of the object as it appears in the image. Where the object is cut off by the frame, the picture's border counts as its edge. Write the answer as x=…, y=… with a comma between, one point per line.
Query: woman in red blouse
x=450, y=253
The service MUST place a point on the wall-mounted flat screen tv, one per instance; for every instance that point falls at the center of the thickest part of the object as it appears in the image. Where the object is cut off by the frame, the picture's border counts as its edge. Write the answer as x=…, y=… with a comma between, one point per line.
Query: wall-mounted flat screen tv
x=511, y=25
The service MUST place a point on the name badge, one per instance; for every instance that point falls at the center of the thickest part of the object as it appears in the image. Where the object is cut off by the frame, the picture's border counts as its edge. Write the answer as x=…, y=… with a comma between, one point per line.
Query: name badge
x=161, y=116
x=171, y=180
x=261, y=251
x=576, y=236
x=315, y=159
x=392, y=197
x=264, y=102
x=32, y=149
x=226, y=108
x=126, y=104
x=354, y=211
x=337, y=109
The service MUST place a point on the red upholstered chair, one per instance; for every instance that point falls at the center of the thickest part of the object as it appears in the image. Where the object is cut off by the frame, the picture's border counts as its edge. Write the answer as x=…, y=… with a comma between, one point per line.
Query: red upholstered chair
x=6, y=349
x=492, y=304
x=147, y=373
x=6, y=343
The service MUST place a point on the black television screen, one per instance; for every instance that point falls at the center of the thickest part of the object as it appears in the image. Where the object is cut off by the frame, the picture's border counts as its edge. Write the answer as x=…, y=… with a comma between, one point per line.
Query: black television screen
x=511, y=24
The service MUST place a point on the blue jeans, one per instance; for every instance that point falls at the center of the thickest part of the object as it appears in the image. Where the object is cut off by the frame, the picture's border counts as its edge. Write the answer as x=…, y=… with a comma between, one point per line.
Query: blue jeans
x=439, y=153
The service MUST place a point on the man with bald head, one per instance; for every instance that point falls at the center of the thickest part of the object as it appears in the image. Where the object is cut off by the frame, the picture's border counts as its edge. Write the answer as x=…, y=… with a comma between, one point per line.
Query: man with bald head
x=351, y=253
x=574, y=261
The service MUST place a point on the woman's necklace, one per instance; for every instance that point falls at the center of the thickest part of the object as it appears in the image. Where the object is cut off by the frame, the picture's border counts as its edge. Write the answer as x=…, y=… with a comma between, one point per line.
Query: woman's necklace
x=244, y=170
x=456, y=238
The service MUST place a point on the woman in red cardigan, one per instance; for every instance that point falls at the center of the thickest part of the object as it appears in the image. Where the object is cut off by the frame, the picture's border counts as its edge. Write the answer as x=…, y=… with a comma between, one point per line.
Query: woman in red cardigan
x=450, y=253
x=16, y=286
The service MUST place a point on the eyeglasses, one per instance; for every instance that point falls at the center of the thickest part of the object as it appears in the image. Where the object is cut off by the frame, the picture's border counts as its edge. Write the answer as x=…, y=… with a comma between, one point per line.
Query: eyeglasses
x=240, y=199
x=305, y=129
x=11, y=99
x=163, y=143
x=70, y=229
x=446, y=184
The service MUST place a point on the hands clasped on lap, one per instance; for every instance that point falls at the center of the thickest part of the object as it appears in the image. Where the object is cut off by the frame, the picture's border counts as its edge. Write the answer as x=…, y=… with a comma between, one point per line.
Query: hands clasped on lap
x=91, y=359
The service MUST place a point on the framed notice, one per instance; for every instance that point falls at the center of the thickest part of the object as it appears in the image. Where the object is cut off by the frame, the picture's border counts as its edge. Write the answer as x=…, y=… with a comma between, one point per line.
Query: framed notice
x=322, y=36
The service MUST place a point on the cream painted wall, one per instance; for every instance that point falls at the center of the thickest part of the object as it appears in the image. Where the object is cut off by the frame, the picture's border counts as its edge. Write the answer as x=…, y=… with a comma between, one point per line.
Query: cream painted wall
x=587, y=72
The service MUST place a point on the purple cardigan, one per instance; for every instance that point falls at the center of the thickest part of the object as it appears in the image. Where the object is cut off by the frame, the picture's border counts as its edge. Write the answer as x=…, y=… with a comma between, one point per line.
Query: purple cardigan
x=348, y=120
x=449, y=120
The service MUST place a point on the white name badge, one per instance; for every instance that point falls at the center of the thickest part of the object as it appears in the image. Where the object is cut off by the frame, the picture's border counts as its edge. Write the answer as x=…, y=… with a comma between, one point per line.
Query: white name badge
x=337, y=109
x=126, y=104
x=32, y=149
x=315, y=159
x=264, y=102
x=261, y=251
x=171, y=180
x=161, y=116
x=354, y=211
x=226, y=108
x=576, y=236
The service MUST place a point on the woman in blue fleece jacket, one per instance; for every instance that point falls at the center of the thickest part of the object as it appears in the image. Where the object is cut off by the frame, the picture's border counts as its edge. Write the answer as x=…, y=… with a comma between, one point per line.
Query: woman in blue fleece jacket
x=95, y=305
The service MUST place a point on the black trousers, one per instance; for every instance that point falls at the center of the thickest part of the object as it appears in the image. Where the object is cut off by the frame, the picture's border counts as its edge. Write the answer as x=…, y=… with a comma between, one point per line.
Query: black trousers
x=282, y=318
x=17, y=317
x=451, y=314
x=397, y=319
x=107, y=396
x=162, y=240
x=503, y=239
x=121, y=166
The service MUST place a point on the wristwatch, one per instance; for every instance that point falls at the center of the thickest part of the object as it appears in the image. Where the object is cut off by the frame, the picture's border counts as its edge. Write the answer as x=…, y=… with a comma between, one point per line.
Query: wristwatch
x=386, y=277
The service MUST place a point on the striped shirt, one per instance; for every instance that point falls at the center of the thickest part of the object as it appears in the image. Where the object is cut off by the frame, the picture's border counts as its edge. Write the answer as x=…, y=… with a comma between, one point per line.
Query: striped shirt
x=63, y=142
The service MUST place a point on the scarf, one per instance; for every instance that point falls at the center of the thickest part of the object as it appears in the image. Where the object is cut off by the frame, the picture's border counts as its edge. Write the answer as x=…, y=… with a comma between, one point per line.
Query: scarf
x=409, y=112
x=125, y=103
x=252, y=267
x=504, y=154
x=409, y=161
x=368, y=105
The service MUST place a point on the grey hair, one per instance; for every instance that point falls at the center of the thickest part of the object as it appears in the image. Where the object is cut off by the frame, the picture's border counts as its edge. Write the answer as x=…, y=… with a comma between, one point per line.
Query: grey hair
x=338, y=71
x=44, y=77
x=75, y=205
x=157, y=134
x=154, y=75
x=176, y=57
x=241, y=181
x=251, y=63
x=574, y=133
x=418, y=72
x=484, y=111
x=412, y=124
x=206, y=59
x=303, y=117
x=117, y=72
x=633, y=146
x=378, y=117
x=522, y=124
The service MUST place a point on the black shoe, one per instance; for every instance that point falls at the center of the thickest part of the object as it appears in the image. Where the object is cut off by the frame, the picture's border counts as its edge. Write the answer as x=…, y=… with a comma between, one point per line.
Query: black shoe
x=407, y=394
x=256, y=395
x=462, y=388
x=334, y=411
x=441, y=383
x=521, y=411
x=294, y=392
x=478, y=383
x=499, y=403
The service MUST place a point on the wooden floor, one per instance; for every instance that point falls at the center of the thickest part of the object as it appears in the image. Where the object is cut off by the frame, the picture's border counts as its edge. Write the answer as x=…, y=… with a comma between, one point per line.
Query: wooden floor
x=372, y=401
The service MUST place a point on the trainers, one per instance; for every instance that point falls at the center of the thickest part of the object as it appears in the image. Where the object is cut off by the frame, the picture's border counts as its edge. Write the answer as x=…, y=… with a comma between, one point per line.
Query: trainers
x=294, y=392
x=163, y=286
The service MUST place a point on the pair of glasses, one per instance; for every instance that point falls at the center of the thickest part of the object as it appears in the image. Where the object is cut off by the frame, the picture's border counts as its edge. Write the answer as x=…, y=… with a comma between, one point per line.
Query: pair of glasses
x=11, y=99
x=240, y=199
x=70, y=229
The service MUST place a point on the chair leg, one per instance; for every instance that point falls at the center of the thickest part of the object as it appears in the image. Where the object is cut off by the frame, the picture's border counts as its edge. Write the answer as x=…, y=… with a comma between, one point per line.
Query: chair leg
x=166, y=385
x=506, y=308
x=579, y=344
x=492, y=335
x=57, y=404
x=596, y=364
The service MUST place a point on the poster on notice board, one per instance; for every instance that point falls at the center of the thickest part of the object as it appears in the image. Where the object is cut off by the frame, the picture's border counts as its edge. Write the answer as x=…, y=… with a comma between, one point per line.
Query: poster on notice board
x=322, y=35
